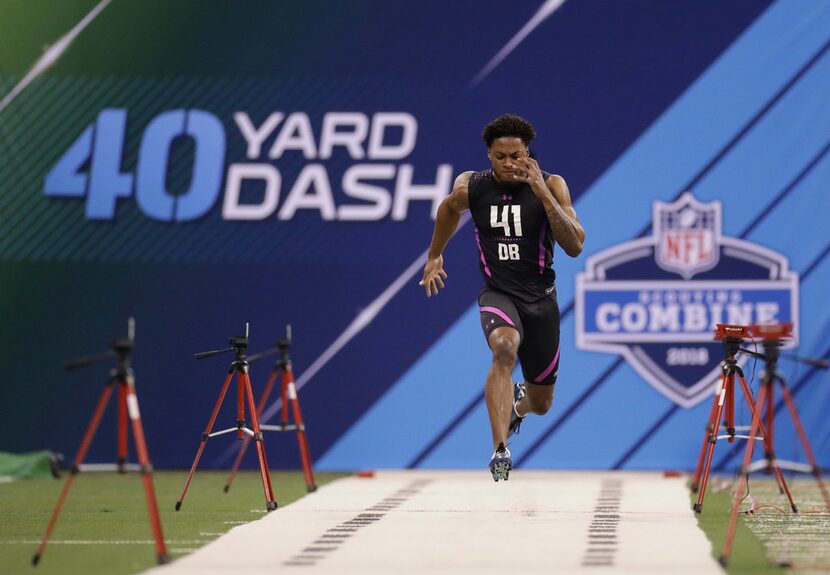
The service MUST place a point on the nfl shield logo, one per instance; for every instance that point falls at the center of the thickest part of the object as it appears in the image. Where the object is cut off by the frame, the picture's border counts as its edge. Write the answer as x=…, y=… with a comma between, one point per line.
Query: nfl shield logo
x=631, y=300
x=687, y=234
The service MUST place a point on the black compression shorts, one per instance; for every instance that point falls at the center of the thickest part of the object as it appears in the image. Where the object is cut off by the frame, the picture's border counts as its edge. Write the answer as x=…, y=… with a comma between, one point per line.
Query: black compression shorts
x=538, y=327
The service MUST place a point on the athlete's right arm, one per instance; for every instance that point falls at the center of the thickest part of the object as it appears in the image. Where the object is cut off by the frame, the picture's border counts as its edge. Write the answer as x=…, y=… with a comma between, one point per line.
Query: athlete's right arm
x=446, y=222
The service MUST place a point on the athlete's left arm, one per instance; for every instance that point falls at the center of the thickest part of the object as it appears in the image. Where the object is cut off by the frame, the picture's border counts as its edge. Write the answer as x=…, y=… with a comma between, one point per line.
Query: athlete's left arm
x=556, y=199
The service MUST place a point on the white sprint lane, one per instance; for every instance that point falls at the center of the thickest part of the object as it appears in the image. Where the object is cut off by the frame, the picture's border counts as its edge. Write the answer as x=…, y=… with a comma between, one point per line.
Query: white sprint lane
x=404, y=522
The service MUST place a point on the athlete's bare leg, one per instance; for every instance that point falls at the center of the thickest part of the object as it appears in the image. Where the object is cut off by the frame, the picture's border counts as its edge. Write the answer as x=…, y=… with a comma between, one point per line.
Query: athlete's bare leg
x=537, y=399
x=498, y=389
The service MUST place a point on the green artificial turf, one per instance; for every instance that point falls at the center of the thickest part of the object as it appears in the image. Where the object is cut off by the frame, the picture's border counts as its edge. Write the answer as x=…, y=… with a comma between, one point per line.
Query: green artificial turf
x=104, y=527
x=748, y=556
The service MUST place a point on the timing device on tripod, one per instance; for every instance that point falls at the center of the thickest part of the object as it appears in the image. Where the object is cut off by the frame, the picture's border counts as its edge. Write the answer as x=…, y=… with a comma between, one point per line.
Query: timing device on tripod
x=239, y=366
x=123, y=378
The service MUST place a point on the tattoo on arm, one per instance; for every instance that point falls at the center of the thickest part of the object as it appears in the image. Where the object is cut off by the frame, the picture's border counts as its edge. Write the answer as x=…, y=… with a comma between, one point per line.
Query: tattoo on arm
x=564, y=224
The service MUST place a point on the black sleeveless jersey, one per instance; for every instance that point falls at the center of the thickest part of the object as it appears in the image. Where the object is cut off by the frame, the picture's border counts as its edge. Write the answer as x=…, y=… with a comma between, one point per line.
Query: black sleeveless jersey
x=512, y=235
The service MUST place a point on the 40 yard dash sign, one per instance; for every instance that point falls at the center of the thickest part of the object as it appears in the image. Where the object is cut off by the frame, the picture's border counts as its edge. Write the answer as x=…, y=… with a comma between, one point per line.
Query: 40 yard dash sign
x=656, y=300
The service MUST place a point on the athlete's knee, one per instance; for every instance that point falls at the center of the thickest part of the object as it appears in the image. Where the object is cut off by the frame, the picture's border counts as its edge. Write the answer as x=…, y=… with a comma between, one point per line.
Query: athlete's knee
x=539, y=403
x=504, y=350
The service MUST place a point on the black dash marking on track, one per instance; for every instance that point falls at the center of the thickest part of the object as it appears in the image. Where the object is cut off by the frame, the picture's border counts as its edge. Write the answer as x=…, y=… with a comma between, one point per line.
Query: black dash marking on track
x=332, y=539
x=602, y=533
x=600, y=524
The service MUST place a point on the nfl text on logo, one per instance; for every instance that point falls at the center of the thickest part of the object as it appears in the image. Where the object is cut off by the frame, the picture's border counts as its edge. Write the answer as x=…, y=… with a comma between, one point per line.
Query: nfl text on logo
x=656, y=300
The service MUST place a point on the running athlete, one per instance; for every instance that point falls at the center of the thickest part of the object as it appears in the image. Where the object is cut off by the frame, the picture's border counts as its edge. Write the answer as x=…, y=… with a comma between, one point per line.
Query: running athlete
x=518, y=211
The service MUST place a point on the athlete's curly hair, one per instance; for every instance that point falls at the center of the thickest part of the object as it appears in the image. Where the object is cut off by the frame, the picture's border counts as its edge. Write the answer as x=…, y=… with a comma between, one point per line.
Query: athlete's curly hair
x=510, y=126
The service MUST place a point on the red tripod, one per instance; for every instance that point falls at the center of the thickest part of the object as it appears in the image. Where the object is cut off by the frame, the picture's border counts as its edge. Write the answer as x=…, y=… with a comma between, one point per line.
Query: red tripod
x=724, y=406
x=240, y=367
x=773, y=337
x=282, y=367
x=122, y=376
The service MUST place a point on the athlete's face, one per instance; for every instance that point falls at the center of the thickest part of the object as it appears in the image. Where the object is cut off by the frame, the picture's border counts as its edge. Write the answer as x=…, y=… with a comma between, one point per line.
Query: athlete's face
x=504, y=154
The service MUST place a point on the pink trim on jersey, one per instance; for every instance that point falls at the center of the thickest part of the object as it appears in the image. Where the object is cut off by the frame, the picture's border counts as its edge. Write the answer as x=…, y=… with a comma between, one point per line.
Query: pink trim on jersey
x=480, y=251
x=550, y=367
x=542, y=250
x=499, y=313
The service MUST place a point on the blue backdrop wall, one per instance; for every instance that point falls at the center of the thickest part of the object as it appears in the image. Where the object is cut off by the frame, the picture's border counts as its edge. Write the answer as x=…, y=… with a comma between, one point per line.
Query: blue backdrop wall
x=276, y=163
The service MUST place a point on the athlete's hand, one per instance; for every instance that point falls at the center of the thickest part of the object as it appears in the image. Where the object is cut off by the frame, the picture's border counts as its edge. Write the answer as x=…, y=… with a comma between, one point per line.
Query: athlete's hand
x=529, y=172
x=434, y=275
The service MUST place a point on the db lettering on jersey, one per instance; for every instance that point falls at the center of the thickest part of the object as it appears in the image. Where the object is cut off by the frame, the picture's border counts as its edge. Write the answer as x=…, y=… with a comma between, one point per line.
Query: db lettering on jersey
x=508, y=251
